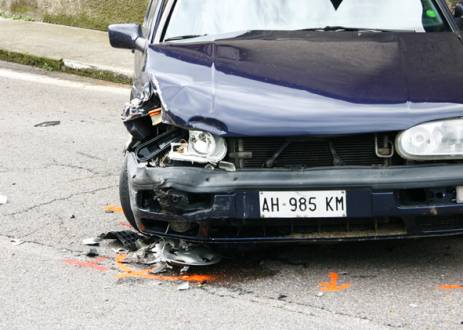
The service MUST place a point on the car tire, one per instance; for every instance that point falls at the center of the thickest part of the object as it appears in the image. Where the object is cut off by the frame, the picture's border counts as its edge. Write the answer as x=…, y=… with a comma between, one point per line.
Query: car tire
x=124, y=195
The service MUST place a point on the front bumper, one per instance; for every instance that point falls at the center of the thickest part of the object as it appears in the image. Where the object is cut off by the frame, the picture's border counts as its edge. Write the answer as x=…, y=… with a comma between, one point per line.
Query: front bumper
x=217, y=206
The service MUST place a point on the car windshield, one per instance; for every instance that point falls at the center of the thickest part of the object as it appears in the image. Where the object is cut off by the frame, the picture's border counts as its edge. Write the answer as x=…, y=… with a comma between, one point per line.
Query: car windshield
x=193, y=18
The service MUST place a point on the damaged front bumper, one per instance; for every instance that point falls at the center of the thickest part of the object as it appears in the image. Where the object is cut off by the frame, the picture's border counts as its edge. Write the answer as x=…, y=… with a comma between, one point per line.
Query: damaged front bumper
x=206, y=205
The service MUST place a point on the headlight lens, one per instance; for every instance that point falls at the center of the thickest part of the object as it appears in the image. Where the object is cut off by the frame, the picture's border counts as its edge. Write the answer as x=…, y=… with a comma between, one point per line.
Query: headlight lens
x=202, y=143
x=206, y=145
x=432, y=141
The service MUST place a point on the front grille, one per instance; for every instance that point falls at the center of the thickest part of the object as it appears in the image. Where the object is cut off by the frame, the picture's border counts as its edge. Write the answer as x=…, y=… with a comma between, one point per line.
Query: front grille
x=358, y=150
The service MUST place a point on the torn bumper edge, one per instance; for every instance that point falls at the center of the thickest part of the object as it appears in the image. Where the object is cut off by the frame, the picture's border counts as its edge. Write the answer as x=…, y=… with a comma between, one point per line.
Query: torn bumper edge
x=371, y=191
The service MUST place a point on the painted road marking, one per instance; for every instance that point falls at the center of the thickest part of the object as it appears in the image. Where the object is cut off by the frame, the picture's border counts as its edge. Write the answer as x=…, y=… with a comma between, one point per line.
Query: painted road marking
x=332, y=285
x=42, y=79
x=113, y=209
x=128, y=272
x=88, y=264
x=451, y=287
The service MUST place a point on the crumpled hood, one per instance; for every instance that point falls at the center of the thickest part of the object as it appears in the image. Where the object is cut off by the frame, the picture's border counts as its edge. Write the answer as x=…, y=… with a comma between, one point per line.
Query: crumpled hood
x=309, y=83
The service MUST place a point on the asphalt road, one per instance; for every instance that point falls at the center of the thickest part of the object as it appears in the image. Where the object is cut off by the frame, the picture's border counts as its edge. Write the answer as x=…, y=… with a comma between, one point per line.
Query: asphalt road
x=59, y=179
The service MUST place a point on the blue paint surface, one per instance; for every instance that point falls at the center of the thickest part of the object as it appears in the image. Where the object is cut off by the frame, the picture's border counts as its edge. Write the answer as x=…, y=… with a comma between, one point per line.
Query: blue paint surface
x=282, y=83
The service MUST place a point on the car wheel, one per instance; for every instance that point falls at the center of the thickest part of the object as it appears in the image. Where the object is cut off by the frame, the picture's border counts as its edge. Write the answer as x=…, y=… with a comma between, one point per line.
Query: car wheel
x=124, y=195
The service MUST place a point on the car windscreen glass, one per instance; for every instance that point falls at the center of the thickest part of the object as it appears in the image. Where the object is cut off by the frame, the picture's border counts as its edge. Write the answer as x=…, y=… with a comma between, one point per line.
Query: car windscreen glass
x=192, y=18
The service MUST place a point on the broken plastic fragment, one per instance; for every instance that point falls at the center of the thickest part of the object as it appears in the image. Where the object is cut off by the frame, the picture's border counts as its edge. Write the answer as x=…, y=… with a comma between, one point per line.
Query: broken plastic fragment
x=48, y=123
x=3, y=199
x=121, y=251
x=195, y=256
x=158, y=269
x=17, y=242
x=228, y=167
x=128, y=272
x=127, y=238
x=92, y=253
x=156, y=116
x=184, y=286
x=113, y=209
x=91, y=241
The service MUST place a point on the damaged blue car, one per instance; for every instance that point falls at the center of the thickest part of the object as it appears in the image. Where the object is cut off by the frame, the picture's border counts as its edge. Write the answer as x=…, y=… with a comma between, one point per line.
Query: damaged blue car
x=294, y=120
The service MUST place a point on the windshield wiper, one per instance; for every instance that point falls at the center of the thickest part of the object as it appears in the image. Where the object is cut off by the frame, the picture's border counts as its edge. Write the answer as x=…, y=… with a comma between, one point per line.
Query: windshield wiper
x=344, y=28
x=188, y=36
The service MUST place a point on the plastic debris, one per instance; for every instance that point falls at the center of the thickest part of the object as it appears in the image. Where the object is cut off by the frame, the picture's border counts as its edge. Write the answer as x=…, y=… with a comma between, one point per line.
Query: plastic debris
x=113, y=209
x=92, y=241
x=184, y=286
x=159, y=268
x=150, y=251
x=177, y=254
x=92, y=253
x=3, y=199
x=154, y=256
x=48, y=123
x=17, y=242
x=129, y=239
x=121, y=251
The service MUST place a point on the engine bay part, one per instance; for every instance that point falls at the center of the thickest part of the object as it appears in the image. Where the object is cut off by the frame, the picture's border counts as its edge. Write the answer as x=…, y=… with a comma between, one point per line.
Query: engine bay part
x=375, y=150
x=202, y=148
x=156, y=146
x=156, y=116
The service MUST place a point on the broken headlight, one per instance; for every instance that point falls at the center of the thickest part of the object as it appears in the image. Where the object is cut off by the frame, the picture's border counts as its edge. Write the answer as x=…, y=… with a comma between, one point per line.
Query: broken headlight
x=202, y=147
x=432, y=141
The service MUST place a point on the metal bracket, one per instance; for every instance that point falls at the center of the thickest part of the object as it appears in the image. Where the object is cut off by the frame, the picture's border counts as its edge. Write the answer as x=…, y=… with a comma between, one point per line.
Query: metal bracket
x=387, y=150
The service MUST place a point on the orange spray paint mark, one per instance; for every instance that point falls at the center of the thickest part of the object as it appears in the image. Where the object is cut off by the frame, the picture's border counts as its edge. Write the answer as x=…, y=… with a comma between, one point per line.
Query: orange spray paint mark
x=88, y=264
x=128, y=272
x=332, y=285
x=451, y=287
x=113, y=209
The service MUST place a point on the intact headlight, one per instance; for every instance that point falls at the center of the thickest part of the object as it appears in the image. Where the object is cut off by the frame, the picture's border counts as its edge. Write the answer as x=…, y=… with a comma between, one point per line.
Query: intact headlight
x=432, y=141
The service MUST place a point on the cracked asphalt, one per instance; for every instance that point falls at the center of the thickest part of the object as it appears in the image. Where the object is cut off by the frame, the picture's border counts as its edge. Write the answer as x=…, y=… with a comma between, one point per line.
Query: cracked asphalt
x=59, y=179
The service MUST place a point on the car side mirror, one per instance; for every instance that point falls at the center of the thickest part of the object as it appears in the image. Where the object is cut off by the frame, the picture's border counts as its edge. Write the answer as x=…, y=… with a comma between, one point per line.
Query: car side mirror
x=458, y=13
x=127, y=36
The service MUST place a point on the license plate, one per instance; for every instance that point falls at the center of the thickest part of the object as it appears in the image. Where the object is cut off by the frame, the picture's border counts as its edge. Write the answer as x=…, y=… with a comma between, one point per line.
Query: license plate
x=303, y=204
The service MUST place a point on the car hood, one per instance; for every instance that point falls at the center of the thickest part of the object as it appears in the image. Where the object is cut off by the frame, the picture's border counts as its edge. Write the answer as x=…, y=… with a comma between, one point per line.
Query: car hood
x=275, y=83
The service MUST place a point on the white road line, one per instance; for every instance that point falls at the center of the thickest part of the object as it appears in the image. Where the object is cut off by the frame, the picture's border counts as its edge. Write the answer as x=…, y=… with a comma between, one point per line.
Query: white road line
x=41, y=79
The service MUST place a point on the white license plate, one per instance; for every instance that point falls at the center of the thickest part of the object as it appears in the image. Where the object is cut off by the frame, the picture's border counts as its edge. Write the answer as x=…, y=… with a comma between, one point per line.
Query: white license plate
x=303, y=204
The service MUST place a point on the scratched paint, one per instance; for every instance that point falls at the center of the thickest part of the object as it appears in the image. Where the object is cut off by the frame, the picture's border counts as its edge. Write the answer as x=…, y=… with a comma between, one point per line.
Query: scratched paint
x=332, y=285
x=88, y=264
x=128, y=272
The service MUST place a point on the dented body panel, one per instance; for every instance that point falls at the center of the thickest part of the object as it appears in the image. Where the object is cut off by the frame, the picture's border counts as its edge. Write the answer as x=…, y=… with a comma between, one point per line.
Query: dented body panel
x=309, y=83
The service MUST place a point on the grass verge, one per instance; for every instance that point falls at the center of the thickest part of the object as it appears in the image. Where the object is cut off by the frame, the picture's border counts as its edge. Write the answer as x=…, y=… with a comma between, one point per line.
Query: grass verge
x=58, y=65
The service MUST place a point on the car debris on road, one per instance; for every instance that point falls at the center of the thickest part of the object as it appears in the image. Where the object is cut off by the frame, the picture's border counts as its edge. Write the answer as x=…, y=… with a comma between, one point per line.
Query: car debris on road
x=184, y=286
x=3, y=199
x=92, y=241
x=48, y=123
x=159, y=254
x=17, y=242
